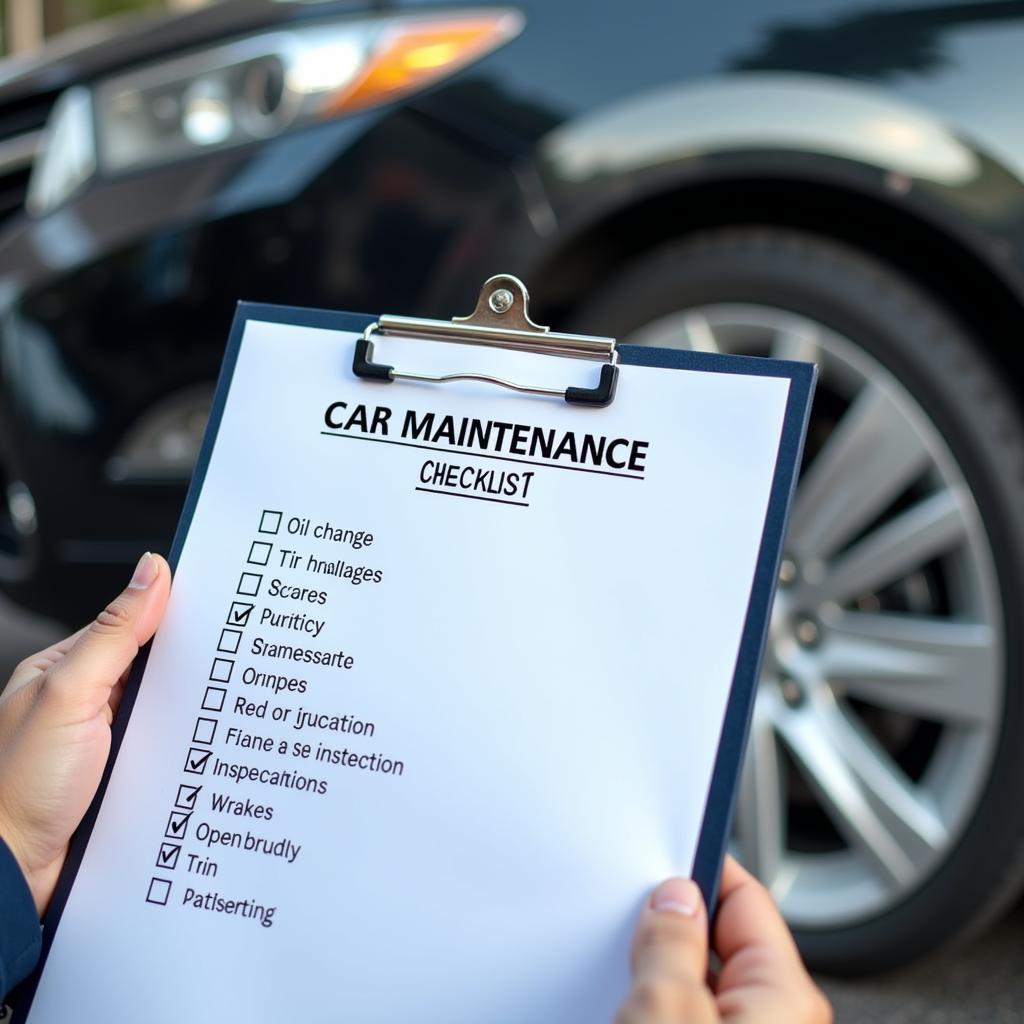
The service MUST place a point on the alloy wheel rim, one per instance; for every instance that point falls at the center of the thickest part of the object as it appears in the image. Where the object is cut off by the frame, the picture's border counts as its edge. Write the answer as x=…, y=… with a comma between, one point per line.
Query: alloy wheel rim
x=877, y=714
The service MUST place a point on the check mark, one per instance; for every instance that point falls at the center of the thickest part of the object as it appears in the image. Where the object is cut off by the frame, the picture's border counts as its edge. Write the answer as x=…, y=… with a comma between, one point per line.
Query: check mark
x=168, y=856
x=177, y=824
x=196, y=760
x=239, y=614
x=187, y=797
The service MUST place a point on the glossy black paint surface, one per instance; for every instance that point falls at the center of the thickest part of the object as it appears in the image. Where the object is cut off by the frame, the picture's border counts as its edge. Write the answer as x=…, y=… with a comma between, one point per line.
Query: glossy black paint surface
x=603, y=130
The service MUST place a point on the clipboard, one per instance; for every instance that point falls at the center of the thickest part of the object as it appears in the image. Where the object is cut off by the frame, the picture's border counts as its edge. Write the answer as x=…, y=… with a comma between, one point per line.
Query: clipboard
x=501, y=320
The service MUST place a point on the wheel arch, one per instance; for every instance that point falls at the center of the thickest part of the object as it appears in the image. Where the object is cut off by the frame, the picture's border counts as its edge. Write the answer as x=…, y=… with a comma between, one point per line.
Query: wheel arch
x=839, y=158
x=931, y=255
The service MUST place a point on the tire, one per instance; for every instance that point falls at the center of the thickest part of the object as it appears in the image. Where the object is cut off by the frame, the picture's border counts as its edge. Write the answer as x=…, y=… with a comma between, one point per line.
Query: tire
x=944, y=778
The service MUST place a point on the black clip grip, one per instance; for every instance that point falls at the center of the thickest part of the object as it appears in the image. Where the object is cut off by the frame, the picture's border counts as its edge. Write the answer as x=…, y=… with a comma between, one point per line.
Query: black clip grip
x=601, y=395
x=364, y=366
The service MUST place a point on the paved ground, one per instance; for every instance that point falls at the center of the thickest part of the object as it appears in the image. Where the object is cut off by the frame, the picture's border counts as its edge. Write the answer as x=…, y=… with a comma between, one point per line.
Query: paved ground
x=983, y=984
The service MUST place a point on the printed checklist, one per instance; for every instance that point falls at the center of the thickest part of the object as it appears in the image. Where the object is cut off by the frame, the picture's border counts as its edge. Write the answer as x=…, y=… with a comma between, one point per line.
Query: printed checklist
x=213, y=702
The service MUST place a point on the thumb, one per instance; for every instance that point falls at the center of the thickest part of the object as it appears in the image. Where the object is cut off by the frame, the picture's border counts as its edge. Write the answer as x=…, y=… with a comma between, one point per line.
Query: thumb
x=672, y=935
x=670, y=959
x=86, y=677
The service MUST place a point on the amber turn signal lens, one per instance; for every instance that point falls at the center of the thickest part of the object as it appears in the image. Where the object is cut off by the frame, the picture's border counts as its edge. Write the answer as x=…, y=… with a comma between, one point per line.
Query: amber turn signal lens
x=412, y=55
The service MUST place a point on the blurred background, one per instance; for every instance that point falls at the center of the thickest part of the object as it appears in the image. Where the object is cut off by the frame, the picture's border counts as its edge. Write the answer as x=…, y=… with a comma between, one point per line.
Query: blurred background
x=840, y=181
x=27, y=24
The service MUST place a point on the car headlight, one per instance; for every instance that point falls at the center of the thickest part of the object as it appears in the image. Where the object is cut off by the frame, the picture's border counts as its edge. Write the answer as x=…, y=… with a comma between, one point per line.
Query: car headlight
x=67, y=154
x=251, y=89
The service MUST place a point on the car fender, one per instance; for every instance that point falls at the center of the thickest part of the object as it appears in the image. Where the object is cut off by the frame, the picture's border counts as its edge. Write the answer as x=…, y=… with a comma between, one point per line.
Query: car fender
x=800, y=128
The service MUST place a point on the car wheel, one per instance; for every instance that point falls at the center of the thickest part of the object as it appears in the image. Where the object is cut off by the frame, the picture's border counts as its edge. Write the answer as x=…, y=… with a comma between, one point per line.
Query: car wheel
x=880, y=799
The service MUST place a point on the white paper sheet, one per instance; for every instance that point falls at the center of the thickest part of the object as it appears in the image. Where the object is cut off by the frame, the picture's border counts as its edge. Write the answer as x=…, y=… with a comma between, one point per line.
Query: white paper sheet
x=545, y=682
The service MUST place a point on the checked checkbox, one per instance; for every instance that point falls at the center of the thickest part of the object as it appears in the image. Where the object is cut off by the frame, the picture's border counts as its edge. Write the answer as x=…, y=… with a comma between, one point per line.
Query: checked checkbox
x=259, y=553
x=214, y=699
x=239, y=614
x=186, y=799
x=167, y=858
x=249, y=584
x=177, y=824
x=220, y=672
x=206, y=729
x=270, y=522
x=230, y=639
x=159, y=891
x=196, y=760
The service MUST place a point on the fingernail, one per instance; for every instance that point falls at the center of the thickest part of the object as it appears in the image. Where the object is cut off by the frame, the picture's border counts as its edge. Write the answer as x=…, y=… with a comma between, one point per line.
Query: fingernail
x=678, y=896
x=145, y=573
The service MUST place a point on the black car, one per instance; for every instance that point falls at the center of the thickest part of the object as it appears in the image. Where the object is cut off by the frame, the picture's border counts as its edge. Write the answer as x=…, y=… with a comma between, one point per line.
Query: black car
x=839, y=181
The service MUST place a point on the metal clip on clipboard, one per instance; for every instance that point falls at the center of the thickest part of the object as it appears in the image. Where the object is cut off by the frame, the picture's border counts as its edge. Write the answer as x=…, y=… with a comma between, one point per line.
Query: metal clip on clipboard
x=501, y=319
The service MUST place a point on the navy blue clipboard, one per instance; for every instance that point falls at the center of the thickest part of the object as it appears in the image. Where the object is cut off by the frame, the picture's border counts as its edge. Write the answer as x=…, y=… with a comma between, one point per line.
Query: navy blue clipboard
x=718, y=810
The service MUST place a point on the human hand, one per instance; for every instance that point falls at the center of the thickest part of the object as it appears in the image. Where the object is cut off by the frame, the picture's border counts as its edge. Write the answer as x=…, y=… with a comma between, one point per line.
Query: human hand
x=55, y=717
x=762, y=979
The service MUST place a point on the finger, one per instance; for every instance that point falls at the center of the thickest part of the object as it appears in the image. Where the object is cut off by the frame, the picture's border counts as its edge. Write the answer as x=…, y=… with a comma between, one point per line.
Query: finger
x=654, y=1001
x=86, y=675
x=671, y=938
x=669, y=959
x=114, y=700
x=761, y=966
x=748, y=918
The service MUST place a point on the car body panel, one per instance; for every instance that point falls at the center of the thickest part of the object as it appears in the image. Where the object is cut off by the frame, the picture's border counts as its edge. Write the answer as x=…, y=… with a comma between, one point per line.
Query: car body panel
x=518, y=163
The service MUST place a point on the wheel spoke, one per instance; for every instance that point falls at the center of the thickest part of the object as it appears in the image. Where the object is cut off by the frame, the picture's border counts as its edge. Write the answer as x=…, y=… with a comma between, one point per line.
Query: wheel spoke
x=797, y=341
x=699, y=335
x=867, y=796
x=925, y=530
x=760, y=804
x=853, y=547
x=936, y=669
x=871, y=457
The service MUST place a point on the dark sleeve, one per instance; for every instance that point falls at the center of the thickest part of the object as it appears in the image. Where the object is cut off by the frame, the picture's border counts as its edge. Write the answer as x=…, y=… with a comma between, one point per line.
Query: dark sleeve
x=20, y=933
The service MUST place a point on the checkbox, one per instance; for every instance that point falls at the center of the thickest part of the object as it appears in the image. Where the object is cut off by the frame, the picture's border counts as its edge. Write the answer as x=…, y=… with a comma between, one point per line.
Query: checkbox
x=270, y=522
x=220, y=671
x=229, y=640
x=214, y=699
x=186, y=799
x=167, y=858
x=177, y=824
x=249, y=584
x=206, y=729
x=259, y=553
x=196, y=760
x=159, y=891
x=239, y=614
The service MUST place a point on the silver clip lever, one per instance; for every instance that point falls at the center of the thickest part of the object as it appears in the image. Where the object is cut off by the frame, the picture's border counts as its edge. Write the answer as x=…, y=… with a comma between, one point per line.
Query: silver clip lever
x=501, y=319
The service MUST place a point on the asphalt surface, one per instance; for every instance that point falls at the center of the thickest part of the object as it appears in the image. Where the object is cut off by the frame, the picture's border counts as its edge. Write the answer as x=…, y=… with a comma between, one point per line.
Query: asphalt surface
x=980, y=984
